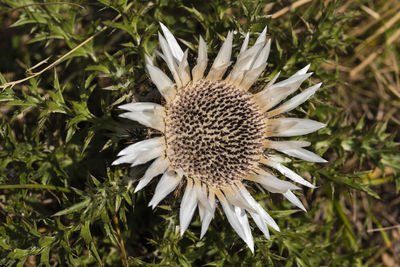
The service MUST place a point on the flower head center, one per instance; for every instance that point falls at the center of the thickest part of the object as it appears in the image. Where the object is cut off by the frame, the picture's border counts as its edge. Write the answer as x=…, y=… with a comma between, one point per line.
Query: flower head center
x=214, y=132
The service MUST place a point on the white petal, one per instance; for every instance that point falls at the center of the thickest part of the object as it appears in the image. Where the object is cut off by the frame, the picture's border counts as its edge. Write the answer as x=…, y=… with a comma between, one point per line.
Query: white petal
x=244, y=63
x=171, y=61
x=167, y=53
x=273, y=184
x=163, y=83
x=231, y=216
x=141, y=106
x=138, y=147
x=272, y=81
x=147, y=155
x=239, y=68
x=173, y=44
x=251, y=76
x=285, y=145
x=160, y=54
x=235, y=198
x=184, y=70
x=202, y=211
x=140, y=157
x=287, y=172
x=278, y=158
x=201, y=195
x=159, y=165
x=258, y=64
x=245, y=44
x=141, y=152
x=302, y=153
x=146, y=113
x=149, y=60
x=168, y=182
x=303, y=70
x=202, y=53
x=244, y=222
x=273, y=95
x=208, y=215
x=260, y=224
x=264, y=215
x=287, y=127
x=295, y=101
x=124, y=159
x=222, y=61
x=216, y=73
x=198, y=70
x=293, y=81
x=263, y=56
x=224, y=54
x=253, y=52
x=180, y=172
x=188, y=206
x=292, y=198
x=152, y=119
x=262, y=37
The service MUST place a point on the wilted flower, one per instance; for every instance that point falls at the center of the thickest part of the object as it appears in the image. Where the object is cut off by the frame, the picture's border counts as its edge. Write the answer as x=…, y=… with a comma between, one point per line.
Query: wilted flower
x=215, y=134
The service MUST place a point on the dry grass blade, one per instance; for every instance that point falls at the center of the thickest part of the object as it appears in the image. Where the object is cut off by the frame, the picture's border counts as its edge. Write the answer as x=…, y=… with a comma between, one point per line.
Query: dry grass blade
x=381, y=30
x=288, y=8
x=55, y=63
x=383, y=228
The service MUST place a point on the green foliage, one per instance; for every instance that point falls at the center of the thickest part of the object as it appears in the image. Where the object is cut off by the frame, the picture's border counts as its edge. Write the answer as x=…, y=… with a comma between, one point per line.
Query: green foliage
x=62, y=202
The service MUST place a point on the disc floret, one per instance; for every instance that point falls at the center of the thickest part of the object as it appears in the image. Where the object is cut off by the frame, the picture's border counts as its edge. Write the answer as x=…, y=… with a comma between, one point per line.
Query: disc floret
x=214, y=132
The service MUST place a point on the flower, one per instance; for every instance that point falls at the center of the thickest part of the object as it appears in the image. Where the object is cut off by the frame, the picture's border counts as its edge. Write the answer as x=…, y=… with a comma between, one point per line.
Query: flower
x=215, y=134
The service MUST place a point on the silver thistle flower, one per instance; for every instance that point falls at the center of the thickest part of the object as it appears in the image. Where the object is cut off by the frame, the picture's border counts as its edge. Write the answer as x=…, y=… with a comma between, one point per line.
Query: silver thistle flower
x=216, y=134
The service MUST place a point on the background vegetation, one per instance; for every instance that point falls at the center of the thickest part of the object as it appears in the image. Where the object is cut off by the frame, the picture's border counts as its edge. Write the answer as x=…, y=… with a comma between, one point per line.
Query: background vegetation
x=61, y=203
